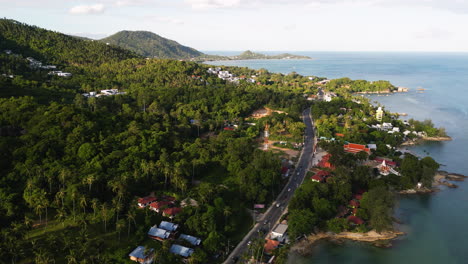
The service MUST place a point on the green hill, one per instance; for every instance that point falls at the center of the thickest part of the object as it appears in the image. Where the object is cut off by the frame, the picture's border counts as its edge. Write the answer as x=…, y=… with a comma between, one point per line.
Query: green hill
x=148, y=44
x=56, y=48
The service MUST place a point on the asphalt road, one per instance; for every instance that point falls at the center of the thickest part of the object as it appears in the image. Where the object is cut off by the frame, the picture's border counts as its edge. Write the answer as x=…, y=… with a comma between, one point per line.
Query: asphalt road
x=273, y=214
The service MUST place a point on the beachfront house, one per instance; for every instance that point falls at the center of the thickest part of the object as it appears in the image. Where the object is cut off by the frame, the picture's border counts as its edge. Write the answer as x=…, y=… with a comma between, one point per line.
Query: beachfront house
x=142, y=255
x=279, y=232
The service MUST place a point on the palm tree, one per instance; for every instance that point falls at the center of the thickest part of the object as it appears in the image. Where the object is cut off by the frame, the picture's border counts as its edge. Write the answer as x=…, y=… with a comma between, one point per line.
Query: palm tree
x=89, y=180
x=119, y=226
x=61, y=215
x=130, y=217
x=227, y=212
x=94, y=205
x=59, y=198
x=83, y=203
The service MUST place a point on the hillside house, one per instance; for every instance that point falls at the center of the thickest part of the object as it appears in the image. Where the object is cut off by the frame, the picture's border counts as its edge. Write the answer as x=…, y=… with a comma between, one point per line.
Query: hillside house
x=171, y=212
x=181, y=250
x=320, y=176
x=142, y=255
x=145, y=201
x=158, y=206
x=195, y=241
x=158, y=233
x=171, y=227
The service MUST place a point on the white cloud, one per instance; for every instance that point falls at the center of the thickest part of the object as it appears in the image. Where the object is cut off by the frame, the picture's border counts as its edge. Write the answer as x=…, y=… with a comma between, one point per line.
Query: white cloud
x=208, y=4
x=170, y=20
x=87, y=9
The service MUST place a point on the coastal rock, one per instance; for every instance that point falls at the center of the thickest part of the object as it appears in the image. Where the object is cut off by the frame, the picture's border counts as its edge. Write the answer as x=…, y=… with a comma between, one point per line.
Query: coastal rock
x=378, y=239
x=437, y=138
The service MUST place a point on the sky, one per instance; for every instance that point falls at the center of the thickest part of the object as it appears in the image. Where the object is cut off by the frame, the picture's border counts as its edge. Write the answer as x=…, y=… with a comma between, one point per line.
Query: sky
x=262, y=25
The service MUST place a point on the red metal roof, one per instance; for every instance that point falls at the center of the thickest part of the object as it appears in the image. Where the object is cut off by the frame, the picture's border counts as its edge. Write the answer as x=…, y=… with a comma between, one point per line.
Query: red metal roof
x=159, y=204
x=387, y=162
x=147, y=199
x=357, y=196
x=355, y=220
x=354, y=203
x=229, y=128
x=270, y=245
x=324, y=162
x=172, y=211
x=355, y=148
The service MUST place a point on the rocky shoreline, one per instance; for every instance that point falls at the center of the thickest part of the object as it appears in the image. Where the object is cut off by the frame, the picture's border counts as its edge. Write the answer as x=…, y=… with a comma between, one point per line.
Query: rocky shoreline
x=422, y=140
x=441, y=178
x=378, y=239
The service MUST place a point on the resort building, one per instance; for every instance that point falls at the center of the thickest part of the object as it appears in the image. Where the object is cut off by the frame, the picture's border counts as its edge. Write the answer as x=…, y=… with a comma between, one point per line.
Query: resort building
x=379, y=114
x=355, y=148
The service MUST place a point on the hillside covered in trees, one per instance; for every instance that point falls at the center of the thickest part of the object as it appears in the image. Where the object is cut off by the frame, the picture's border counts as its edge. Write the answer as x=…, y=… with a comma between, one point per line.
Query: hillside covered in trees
x=73, y=166
x=149, y=44
x=56, y=48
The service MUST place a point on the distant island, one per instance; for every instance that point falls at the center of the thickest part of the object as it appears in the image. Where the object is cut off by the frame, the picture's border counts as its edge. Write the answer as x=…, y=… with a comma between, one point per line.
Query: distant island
x=250, y=55
x=151, y=45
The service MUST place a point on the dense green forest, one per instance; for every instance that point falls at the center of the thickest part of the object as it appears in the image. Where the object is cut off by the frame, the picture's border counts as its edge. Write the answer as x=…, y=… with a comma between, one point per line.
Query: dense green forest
x=72, y=166
x=56, y=48
x=149, y=44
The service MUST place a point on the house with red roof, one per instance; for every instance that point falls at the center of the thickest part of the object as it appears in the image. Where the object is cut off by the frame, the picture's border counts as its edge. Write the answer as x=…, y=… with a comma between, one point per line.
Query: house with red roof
x=171, y=212
x=355, y=220
x=387, y=162
x=159, y=205
x=145, y=201
x=270, y=246
x=357, y=196
x=354, y=204
x=356, y=148
x=325, y=163
x=320, y=176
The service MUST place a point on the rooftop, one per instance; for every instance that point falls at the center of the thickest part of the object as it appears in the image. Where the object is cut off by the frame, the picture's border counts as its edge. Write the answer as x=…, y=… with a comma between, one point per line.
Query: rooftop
x=139, y=252
x=181, y=250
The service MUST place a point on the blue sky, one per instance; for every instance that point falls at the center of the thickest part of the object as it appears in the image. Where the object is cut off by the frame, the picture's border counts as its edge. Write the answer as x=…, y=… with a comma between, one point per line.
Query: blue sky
x=264, y=25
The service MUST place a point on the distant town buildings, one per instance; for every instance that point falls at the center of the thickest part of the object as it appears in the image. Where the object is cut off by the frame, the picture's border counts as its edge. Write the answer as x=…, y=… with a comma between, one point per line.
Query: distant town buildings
x=227, y=76
x=108, y=92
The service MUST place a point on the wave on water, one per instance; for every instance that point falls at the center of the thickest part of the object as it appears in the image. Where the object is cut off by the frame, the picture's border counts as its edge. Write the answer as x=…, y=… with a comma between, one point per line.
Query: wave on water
x=412, y=100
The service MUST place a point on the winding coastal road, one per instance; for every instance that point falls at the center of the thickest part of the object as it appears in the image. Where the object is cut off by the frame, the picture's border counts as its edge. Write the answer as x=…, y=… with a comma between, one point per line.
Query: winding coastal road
x=276, y=210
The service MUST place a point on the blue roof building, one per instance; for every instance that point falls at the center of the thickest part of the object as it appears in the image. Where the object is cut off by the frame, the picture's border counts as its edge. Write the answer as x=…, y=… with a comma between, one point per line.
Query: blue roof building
x=139, y=255
x=168, y=226
x=158, y=233
x=191, y=239
x=181, y=250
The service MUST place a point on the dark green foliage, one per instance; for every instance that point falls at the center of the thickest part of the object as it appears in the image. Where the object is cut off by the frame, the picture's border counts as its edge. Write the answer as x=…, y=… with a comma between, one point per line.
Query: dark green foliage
x=301, y=222
x=55, y=48
x=378, y=204
x=148, y=44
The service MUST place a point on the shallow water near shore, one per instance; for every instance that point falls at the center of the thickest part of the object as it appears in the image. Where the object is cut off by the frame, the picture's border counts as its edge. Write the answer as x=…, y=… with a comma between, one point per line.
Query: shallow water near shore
x=435, y=223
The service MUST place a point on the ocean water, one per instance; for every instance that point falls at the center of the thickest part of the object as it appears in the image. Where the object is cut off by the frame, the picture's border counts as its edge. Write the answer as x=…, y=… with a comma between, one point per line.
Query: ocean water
x=436, y=224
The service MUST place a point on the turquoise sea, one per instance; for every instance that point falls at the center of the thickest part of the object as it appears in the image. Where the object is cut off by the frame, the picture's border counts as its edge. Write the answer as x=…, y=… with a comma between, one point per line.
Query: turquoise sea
x=436, y=224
